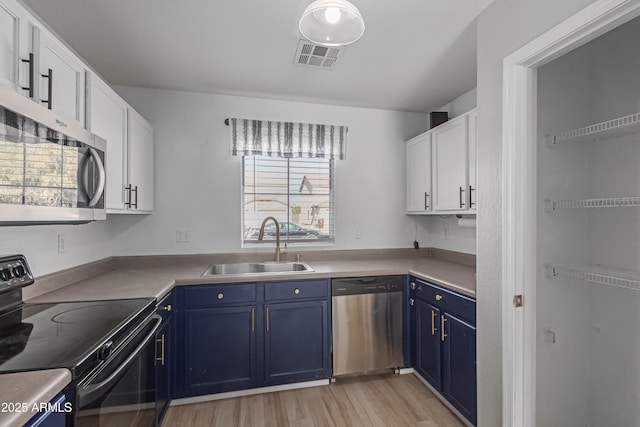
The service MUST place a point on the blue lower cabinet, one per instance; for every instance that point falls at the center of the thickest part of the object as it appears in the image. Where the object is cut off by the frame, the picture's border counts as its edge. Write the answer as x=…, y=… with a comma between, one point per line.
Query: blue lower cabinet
x=428, y=339
x=444, y=343
x=239, y=336
x=459, y=365
x=163, y=364
x=296, y=342
x=219, y=351
x=54, y=417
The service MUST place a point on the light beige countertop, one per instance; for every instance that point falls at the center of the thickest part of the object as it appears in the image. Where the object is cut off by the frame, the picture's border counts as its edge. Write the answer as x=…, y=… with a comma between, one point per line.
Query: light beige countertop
x=112, y=284
x=29, y=388
x=136, y=277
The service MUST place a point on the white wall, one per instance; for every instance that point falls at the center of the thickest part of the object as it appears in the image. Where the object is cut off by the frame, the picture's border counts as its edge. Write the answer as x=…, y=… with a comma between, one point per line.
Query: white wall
x=465, y=102
x=39, y=243
x=197, y=182
x=503, y=27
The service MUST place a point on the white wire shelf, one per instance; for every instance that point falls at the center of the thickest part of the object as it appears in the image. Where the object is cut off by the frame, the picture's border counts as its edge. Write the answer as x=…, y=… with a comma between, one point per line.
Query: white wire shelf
x=615, y=202
x=596, y=274
x=611, y=128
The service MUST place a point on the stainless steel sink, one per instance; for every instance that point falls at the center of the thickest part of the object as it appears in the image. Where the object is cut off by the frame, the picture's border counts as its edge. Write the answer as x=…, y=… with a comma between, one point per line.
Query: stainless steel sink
x=248, y=268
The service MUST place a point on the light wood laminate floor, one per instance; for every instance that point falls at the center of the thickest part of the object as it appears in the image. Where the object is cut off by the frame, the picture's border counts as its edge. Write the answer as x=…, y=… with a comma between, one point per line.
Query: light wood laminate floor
x=382, y=400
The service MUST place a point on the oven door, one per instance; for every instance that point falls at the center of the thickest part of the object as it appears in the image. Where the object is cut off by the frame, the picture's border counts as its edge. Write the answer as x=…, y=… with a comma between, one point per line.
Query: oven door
x=121, y=392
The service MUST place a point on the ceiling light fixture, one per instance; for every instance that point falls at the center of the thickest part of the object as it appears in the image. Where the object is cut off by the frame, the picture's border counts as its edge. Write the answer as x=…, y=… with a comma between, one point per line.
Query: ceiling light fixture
x=331, y=23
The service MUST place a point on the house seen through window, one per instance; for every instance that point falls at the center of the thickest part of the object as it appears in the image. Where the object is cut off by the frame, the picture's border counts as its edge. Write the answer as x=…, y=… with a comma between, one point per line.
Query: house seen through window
x=298, y=192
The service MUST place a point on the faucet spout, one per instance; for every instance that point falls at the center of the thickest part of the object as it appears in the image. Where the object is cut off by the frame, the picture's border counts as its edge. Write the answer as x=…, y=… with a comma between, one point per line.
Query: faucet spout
x=261, y=235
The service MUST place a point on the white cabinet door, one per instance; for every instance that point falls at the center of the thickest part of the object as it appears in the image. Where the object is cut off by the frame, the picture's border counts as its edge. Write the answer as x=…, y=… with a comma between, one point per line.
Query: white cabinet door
x=419, y=174
x=107, y=117
x=10, y=22
x=60, y=77
x=140, y=154
x=472, y=193
x=450, y=165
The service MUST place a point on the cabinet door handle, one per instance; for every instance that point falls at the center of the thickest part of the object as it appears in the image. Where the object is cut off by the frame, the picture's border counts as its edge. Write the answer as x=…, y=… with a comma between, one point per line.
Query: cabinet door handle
x=253, y=319
x=167, y=308
x=442, y=334
x=438, y=297
x=135, y=190
x=128, y=190
x=471, y=203
x=49, y=77
x=296, y=291
x=220, y=295
x=426, y=201
x=267, y=316
x=413, y=285
x=31, y=75
x=433, y=323
x=461, y=198
x=161, y=358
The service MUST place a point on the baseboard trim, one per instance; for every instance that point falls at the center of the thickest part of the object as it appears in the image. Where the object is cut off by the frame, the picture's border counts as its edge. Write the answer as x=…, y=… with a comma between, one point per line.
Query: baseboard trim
x=443, y=400
x=248, y=392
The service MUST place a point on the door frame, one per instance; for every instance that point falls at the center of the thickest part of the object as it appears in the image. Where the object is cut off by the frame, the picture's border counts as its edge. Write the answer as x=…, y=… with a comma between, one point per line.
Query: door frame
x=519, y=195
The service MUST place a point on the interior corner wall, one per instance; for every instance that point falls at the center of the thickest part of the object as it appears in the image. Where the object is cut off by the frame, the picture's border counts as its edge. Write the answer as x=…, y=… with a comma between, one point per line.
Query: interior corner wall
x=444, y=232
x=504, y=27
x=198, y=183
x=465, y=102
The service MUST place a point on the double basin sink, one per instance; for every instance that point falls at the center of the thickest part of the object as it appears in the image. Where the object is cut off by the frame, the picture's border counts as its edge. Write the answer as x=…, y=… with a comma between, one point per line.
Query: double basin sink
x=256, y=268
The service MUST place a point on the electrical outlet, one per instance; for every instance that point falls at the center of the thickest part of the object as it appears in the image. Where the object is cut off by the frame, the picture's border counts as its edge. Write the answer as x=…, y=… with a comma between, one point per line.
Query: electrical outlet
x=446, y=232
x=61, y=243
x=183, y=236
x=357, y=233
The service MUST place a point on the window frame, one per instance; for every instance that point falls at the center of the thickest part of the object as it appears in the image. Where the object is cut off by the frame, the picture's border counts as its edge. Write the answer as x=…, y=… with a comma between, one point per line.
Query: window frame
x=330, y=241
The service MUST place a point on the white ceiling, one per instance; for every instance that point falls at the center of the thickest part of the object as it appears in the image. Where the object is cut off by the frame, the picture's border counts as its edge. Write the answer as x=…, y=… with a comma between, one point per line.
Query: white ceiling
x=415, y=55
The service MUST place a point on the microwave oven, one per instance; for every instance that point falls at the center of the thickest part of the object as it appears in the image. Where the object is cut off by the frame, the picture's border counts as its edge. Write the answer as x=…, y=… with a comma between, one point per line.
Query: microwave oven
x=51, y=170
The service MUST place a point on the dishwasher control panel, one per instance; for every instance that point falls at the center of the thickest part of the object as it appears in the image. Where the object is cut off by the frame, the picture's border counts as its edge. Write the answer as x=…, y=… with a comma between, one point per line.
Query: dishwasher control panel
x=366, y=285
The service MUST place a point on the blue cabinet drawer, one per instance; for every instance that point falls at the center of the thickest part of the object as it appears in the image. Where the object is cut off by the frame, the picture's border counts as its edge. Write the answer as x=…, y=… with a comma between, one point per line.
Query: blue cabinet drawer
x=444, y=299
x=296, y=290
x=215, y=295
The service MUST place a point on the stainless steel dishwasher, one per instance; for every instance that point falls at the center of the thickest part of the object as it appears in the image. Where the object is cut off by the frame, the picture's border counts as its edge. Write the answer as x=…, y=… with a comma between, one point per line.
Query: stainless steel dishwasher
x=367, y=324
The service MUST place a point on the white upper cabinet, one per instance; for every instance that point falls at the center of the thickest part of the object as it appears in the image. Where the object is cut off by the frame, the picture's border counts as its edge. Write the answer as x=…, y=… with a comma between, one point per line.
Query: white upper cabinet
x=441, y=168
x=10, y=21
x=107, y=117
x=450, y=165
x=419, y=174
x=129, y=148
x=60, y=77
x=16, y=53
x=140, y=163
x=472, y=159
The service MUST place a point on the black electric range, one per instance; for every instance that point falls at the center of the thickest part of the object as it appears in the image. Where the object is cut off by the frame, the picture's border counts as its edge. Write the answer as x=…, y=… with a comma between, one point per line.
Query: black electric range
x=102, y=343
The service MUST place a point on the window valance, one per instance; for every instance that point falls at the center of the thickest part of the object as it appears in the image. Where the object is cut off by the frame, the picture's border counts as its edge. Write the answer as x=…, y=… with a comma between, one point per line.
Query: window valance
x=287, y=139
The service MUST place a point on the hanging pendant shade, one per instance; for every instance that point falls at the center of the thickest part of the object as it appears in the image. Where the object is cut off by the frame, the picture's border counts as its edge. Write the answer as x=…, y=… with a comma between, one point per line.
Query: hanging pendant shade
x=331, y=23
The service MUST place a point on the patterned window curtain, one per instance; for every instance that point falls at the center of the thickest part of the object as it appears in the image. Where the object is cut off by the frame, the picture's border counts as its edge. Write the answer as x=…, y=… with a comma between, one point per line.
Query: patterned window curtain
x=286, y=139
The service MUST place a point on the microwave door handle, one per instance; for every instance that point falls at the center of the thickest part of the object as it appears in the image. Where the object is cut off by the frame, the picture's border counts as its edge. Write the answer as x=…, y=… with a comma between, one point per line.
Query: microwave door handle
x=89, y=392
x=101, y=178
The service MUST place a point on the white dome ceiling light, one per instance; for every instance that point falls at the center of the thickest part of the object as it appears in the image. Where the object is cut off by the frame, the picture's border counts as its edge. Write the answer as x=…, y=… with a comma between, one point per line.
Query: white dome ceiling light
x=331, y=23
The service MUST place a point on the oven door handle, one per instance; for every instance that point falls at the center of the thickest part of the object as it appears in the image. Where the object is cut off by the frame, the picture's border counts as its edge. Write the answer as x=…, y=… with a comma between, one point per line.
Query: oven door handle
x=89, y=392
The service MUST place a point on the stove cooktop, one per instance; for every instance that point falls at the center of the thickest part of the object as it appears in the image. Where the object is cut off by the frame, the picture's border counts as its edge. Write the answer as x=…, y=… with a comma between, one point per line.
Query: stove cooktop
x=66, y=335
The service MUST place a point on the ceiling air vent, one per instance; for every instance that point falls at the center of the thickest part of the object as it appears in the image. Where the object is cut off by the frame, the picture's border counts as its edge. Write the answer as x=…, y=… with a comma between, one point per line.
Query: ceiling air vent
x=315, y=56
